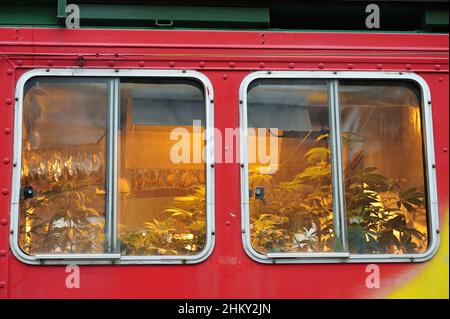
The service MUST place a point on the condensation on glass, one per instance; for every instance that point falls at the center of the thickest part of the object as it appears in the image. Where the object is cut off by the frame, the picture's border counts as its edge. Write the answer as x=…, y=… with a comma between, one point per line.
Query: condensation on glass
x=290, y=170
x=291, y=204
x=162, y=208
x=62, y=186
x=383, y=164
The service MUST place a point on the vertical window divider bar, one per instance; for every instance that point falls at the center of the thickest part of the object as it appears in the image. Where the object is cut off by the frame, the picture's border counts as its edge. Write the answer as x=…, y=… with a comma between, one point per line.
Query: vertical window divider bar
x=111, y=166
x=115, y=191
x=336, y=164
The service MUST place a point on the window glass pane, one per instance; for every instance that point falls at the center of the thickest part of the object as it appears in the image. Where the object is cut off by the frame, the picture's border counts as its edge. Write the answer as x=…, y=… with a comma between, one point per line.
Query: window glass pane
x=162, y=208
x=383, y=167
x=291, y=207
x=62, y=202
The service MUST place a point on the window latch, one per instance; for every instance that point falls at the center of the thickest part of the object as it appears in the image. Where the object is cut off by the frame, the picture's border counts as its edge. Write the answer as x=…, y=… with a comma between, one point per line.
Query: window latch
x=259, y=192
x=28, y=192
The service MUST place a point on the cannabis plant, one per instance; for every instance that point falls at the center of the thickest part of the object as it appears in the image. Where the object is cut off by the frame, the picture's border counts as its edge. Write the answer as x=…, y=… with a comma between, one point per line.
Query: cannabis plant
x=297, y=215
x=181, y=232
x=72, y=227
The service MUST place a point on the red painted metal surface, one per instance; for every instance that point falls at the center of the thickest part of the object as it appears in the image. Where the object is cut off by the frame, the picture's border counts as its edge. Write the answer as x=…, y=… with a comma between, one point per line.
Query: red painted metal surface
x=226, y=58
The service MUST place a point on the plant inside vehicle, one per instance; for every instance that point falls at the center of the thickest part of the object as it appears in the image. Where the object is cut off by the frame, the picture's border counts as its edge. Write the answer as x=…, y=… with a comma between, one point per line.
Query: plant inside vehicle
x=297, y=215
x=181, y=232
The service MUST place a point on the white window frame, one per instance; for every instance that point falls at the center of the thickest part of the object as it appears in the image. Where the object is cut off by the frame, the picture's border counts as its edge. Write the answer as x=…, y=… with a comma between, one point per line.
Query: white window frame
x=111, y=170
x=429, y=169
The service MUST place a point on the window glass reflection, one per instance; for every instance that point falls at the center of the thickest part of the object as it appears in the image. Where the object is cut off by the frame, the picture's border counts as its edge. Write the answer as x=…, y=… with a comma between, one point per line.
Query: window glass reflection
x=162, y=208
x=291, y=206
x=383, y=167
x=62, y=203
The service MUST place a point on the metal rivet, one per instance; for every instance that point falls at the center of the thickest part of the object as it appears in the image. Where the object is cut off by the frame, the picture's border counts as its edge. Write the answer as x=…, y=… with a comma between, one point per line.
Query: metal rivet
x=224, y=76
x=50, y=62
x=445, y=149
x=202, y=64
x=9, y=72
x=437, y=67
x=227, y=223
x=232, y=64
x=5, y=191
x=2, y=252
x=321, y=66
x=80, y=60
x=172, y=64
x=8, y=101
x=379, y=66
x=19, y=62
x=350, y=66
x=6, y=160
x=2, y=284
x=111, y=63
x=261, y=65
x=408, y=66
x=7, y=130
x=3, y=221
x=141, y=64
x=291, y=65
x=441, y=79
